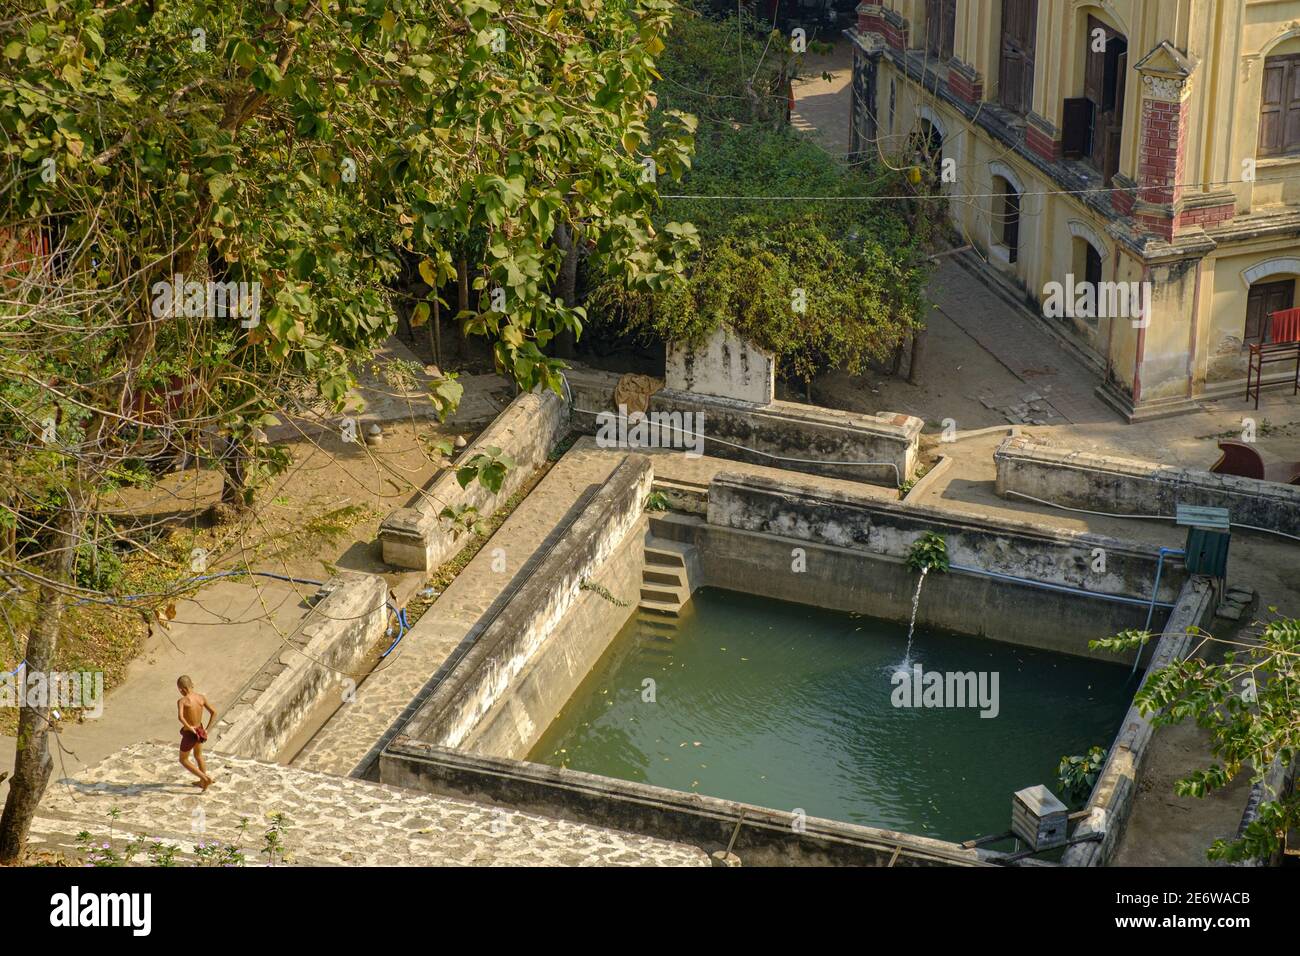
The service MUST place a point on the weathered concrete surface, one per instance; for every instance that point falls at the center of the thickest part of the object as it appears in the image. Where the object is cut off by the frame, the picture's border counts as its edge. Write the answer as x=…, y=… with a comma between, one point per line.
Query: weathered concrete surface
x=1111, y=802
x=353, y=737
x=1127, y=486
x=333, y=821
x=415, y=537
x=785, y=435
x=762, y=837
x=550, y=676
x=507, y=644
x=330, y=643
x=723, y=366
x=1004, y=545
x=883, y=586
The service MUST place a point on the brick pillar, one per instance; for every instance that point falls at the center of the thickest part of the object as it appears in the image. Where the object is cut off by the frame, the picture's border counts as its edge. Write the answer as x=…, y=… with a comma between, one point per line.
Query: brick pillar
x=965, y=83
x=1162, y=151
x=871, y=18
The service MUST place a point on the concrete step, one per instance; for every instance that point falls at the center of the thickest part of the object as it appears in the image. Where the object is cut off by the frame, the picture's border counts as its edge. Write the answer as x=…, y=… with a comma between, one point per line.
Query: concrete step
x=676, y=528
x=660, y=592
x=666, y=608
x=673, y=577
x=659, y=555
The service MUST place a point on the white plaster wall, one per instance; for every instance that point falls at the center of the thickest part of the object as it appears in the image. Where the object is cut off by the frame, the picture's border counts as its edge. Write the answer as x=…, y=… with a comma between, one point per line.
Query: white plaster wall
x=725, y=366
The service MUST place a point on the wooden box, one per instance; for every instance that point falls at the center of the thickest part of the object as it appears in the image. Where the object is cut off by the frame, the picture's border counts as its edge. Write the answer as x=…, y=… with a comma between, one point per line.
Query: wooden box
x=1038, y=818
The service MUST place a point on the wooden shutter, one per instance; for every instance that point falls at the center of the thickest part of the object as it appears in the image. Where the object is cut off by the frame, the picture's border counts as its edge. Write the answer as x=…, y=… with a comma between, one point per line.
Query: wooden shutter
x=1016, y=69
x=1115, y=119
x=1011, y=222
x=1091, y=264
x=1076, y=132
x=1291, y=129
x=1270, y=107
x=949, y=29
x=940, y=27
x=1264, y=299
x=1028, y=42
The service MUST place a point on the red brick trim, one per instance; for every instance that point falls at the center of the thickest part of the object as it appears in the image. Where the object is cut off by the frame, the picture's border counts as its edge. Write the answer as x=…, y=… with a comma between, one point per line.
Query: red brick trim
x=966, y=86
x=1205, y=216
x=1041, y=143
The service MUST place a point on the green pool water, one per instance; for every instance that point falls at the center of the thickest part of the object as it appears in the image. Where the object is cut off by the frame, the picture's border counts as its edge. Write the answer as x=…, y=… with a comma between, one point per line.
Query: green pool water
x=792, y=707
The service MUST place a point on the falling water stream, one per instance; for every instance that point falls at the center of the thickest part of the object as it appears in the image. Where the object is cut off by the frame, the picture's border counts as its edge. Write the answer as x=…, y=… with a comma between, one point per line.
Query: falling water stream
x=911, y=627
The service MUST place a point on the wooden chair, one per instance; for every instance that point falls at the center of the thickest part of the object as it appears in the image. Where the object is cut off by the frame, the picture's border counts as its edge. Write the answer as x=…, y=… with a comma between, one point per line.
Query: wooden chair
x=1244, y=461
x=1283, y=345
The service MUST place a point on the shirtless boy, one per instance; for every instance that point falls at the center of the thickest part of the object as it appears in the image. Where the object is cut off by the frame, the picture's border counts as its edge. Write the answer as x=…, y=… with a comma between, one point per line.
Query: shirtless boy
x=190, y=710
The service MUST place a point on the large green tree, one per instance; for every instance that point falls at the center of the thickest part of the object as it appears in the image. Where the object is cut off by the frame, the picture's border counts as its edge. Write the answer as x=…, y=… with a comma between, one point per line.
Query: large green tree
x=302, y=148
x=829, y=281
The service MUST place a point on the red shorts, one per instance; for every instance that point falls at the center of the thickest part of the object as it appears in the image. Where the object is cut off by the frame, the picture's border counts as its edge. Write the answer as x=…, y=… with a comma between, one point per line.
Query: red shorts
x=189, y=739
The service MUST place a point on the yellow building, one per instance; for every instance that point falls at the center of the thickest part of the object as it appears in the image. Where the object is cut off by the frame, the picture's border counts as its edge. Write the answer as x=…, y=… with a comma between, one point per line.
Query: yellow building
x=1121, y=141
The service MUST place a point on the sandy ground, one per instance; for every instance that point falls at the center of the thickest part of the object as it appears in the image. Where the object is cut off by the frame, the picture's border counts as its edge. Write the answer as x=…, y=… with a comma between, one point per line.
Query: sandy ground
x=320, y=516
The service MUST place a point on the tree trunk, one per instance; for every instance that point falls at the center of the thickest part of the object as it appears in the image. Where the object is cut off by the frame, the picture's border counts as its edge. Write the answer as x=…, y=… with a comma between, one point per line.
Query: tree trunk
x=435, y=332
x=32, y=762
x=897, y=363
x=462, y=303
x=234, y=485
x=918, y=349
x=567, y=289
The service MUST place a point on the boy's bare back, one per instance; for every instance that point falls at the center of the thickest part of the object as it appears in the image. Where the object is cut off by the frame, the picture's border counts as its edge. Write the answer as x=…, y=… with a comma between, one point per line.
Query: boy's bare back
x=192, y=705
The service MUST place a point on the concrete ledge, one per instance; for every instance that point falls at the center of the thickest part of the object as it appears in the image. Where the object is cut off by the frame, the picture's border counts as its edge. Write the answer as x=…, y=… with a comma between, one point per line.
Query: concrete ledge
x=551, y=676
x=806, y=438
x=334, y=637
x=527, y=430
x=507, y=645
x=1111, y=803
x=759, y=836
x=1126, y=486
x=1022, y=549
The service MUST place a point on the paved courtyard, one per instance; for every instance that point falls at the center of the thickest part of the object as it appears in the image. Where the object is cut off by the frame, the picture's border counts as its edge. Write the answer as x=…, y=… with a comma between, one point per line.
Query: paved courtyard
x=331, y=820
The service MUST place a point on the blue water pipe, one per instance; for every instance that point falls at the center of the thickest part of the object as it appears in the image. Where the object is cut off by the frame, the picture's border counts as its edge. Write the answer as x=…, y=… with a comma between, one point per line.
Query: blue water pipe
x=1155, y=589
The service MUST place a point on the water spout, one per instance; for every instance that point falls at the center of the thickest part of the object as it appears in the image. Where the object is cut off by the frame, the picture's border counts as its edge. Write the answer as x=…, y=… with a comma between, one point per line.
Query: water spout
x=911, y=627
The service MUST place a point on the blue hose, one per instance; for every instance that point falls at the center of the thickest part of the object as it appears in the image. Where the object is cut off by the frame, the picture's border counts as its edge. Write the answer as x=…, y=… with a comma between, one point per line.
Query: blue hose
x=1155, y=589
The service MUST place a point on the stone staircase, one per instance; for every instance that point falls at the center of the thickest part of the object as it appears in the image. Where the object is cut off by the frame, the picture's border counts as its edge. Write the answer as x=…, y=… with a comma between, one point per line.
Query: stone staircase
x=665, y=591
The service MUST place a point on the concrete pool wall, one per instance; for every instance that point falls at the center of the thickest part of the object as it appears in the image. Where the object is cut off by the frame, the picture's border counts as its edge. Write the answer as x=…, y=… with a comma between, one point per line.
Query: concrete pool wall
x=502, y=692
x=492, y=706
x=855, y=550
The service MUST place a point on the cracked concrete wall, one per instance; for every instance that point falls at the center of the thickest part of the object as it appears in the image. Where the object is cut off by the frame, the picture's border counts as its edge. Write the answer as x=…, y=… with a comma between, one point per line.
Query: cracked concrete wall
x=789, y=435
x=550, y=677
x=334, y=638
x=510, y=642
x=1126, y=486
x=415, y=537
x=855, y=549
x=723, y=366
x=1111, y=803
x=758, y=835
